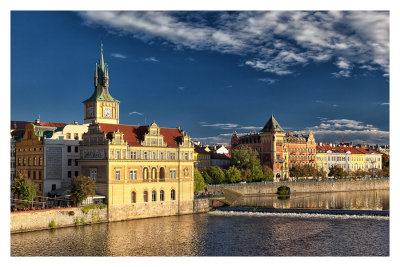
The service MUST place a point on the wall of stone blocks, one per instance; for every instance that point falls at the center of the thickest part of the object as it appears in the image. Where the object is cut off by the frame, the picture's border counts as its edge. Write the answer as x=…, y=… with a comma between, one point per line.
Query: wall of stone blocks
x=37, y=220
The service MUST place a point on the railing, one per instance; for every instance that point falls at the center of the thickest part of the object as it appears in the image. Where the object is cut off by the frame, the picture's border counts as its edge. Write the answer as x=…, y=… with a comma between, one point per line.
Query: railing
x=208, y=195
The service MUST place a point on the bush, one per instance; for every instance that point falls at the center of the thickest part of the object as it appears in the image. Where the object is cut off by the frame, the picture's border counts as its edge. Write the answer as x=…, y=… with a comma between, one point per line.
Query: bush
x=283, y=190
x=52, y=224
x=199, y=183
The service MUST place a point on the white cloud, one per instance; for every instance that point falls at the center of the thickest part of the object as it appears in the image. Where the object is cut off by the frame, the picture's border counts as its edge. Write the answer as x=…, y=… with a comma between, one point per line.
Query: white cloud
x=151, y=59
x=348, y=130
x=220, y=125
x=137, y=113
x=384, y=104
x=117, y=55
x=272, y=41
x=181, y=88
x=267, y=80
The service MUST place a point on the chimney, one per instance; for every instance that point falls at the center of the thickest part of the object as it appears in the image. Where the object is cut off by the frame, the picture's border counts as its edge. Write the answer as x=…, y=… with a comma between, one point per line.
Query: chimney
x=75, y=122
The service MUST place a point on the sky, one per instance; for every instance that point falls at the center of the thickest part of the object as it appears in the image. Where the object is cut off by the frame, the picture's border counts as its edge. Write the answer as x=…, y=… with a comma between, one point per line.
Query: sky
x=211, y=73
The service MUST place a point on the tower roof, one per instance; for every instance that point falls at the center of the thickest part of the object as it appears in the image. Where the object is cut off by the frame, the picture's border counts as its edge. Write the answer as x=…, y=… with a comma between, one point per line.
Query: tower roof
x=272, y=124
x=101, y=81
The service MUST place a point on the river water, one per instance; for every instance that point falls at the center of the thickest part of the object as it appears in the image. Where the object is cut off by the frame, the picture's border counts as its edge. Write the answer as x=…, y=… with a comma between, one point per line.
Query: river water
x=219, y=233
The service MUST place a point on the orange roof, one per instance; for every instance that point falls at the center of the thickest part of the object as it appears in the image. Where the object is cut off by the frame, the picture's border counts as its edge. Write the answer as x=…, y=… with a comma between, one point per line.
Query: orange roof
x=134, y=134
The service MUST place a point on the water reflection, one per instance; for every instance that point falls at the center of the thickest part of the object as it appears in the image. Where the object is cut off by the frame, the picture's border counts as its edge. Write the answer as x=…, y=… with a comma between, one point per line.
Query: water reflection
x=357, y=200
x=224, y=234
x=212, y=235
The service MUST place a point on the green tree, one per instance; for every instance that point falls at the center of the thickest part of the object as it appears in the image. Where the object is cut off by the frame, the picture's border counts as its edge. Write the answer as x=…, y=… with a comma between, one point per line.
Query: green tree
x=199, y=183
x=233, y=175
x=82, y=187
x=256, y=172
x=206, y=176
x=337, y=172
x=268, y=173
x=24, y=188
x=244, y=157
x=217, y=174
x=321, y=173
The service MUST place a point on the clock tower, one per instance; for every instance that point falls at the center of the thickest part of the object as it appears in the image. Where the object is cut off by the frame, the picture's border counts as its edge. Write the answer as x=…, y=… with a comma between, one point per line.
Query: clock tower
x=101, y=106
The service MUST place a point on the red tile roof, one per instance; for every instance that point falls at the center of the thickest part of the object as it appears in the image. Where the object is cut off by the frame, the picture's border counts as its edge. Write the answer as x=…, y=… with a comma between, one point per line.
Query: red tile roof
x=54, y=124
x=134, y=134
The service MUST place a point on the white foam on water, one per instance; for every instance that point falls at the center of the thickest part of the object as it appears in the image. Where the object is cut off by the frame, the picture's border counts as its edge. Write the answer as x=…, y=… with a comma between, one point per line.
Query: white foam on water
x=296, y=215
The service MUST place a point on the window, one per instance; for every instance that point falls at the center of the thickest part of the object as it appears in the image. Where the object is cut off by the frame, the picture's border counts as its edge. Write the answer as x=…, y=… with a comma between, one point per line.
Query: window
x=34, y=175
x=117, y=154
x=34, y=161
x=68, y=135
x=173, y=156
x=39, y=175
x=76, y=149
x=69, y=174
x=117, y=175
x=162, y=195
x=76, y=137
x=153, y=195
x=172, y=194
x=68, y=148
x=76, y=162
x=40, y=187
x=69, y=162
x=172, y=174
x=133, y=197
x=153, y=155
x=76, y=173
x=145, y=155
x=93, y=174
x=132, y=175
x=145, y=196
x=186, y=156
x=53, y=187
x=161, y=155
x=145, y=174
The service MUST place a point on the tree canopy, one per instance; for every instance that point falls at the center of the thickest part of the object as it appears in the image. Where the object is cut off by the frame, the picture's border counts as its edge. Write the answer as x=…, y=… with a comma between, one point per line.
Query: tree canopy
x=24, y=188
x=82, y=187
x=199, y=183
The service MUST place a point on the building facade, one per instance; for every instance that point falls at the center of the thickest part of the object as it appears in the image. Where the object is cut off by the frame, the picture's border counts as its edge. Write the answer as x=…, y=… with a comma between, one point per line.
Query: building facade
x=29, y=152
x=61, y=155
x=279, y=150
x=144, y=171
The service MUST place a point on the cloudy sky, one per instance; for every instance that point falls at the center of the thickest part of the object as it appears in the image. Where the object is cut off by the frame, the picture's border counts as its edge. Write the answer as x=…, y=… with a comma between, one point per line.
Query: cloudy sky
x=210, y=72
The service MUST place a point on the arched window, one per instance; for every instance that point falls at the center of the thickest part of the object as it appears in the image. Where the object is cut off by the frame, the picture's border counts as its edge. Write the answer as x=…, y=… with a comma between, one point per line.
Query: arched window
x=145, y=174
x=153, y=174
x=133, y=197
x=162, y=195
x=162, y=173
x=145, y=196
x=173, y=194
x=153, y=195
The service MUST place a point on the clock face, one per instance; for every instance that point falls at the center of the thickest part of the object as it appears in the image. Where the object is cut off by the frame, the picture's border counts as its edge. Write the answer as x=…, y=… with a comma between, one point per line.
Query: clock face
x=90, y=112
x=107, y=112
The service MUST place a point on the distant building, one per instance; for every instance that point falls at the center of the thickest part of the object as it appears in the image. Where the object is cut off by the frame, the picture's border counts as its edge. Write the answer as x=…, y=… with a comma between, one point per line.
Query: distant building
x=279, y=150
x=220, y=160
x=202, y=157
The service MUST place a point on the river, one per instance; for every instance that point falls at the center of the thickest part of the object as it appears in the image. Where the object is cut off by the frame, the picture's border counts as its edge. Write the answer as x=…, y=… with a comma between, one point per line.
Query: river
x=219, y=233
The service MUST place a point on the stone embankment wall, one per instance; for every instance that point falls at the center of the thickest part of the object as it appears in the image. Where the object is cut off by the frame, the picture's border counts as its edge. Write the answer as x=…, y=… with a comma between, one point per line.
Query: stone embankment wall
x=157, y=209
x=24, y=221
x=304, y=187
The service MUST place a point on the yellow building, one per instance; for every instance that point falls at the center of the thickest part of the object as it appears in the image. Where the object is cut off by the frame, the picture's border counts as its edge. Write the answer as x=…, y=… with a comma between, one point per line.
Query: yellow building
x=202, y=157
x=144, y=171
x=321, y=160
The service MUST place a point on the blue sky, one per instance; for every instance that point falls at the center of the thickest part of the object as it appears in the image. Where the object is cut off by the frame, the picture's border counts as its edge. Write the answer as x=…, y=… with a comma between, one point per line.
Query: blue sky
x=210, y=72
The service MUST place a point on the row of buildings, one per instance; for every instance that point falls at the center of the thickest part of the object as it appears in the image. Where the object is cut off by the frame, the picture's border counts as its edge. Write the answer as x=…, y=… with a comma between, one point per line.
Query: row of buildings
x=141, y=171
x=135, y=166
x=282, y=151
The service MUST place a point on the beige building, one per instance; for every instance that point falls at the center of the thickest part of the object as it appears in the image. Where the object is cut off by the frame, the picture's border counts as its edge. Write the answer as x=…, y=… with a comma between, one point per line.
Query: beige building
x=144, y=171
